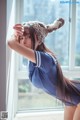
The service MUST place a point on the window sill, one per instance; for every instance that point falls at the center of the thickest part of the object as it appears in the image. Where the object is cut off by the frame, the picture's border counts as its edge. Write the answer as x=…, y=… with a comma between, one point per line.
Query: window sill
x=55, y=115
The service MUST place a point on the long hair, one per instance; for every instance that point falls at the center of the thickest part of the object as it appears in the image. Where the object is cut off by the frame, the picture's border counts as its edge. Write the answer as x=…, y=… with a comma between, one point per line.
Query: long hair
x=64, y=86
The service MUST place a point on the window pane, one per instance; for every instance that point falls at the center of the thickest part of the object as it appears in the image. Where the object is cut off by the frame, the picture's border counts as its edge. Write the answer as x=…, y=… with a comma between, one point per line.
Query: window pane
x=77, y=55
x=23, y=63
x=57, y=41
x=28, y=95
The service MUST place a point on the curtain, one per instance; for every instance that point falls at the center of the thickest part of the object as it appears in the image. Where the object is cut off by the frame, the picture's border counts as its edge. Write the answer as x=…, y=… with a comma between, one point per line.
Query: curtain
x=10, y=61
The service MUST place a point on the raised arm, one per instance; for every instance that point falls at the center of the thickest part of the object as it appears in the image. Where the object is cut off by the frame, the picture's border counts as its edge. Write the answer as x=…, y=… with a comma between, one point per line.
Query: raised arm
x=14, y=44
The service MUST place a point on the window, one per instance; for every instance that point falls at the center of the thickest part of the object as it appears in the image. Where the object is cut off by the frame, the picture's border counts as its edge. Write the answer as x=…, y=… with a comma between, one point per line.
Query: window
x=29, y=97
x=53, y=9
x=77, y=54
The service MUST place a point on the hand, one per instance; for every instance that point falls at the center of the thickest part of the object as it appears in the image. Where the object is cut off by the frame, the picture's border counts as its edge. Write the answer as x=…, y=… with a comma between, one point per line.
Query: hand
x=18, y=32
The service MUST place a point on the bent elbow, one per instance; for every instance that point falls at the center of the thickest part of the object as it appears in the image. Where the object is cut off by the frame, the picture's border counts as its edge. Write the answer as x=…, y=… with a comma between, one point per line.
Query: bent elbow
x=9, y=44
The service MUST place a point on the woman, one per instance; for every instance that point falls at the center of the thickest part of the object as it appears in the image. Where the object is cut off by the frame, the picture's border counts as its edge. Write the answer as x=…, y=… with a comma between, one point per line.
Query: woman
x=44, y=69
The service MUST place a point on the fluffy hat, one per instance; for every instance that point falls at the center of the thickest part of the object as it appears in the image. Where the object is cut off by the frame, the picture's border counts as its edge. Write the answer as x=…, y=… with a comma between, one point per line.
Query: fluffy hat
x=41, y=29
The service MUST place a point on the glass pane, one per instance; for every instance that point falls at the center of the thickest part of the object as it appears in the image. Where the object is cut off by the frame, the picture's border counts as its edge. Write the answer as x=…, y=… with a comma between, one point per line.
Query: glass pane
x=28, y=95
x=57, y=41
x=23, y=63
x=77, y=55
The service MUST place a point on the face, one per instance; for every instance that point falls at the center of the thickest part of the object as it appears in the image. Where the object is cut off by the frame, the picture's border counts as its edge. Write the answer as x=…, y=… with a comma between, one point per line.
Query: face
x=26, y=40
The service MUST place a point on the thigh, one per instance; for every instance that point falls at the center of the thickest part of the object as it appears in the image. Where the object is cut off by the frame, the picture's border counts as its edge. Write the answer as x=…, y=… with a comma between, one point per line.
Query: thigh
x=77, y=113
x=69, y=112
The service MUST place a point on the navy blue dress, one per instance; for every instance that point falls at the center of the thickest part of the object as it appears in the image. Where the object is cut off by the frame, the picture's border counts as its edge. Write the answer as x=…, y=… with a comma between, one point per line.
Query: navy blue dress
x=43, y=75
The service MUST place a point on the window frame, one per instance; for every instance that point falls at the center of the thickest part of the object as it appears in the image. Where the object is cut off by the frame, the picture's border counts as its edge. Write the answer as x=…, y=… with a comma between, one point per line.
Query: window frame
x=71, y=71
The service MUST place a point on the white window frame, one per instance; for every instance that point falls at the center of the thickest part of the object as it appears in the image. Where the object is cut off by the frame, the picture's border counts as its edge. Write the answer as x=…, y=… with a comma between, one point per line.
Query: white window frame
x=72, y=71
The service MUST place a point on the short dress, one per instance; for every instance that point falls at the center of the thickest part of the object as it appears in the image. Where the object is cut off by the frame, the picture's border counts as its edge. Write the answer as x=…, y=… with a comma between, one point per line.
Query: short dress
x=43, y=74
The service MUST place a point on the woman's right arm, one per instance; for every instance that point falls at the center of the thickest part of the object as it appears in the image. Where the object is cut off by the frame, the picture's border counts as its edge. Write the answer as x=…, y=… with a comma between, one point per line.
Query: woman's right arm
x=14, y=44
x=24, y=51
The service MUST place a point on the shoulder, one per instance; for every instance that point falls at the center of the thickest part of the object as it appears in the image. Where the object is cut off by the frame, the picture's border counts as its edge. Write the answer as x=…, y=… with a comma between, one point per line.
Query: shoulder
x=44, y=61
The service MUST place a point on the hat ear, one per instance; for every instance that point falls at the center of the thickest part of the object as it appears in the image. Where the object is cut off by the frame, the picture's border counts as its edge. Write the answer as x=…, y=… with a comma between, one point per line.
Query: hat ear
x=55, y=25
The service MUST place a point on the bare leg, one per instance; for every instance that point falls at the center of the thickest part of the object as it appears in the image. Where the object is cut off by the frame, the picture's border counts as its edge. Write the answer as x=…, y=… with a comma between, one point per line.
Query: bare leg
x=69, y=112
x=77, y=113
